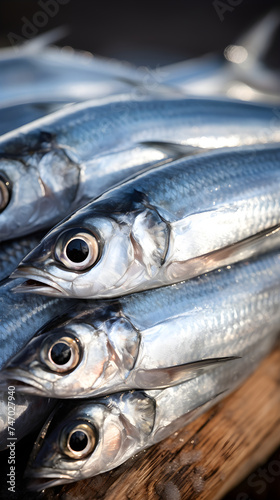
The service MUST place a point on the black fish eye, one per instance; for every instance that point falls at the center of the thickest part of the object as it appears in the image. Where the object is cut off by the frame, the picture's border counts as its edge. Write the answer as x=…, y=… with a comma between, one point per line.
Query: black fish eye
x=77, y=250
x=5, y=194
x=61, y=353
x=78, y=440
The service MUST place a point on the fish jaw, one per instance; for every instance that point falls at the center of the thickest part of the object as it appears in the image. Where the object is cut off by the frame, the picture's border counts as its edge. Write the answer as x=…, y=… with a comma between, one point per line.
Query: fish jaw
x=23, y=369
x=40, y=271
x=38, y=282
x=24, y=383
x=39, y=479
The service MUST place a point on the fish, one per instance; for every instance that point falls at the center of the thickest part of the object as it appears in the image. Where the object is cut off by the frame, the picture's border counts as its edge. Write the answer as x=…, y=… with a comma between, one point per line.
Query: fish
x=12, y=117
x=57, y=164
x=239, y=72
x=20, y=414
x=87, y=437
x=248, y=57
x=36, y=70
x=13, y=251
x=34, y=45
x=167, y=225
x=152, y=339
x=35, y=73
x=21, y=316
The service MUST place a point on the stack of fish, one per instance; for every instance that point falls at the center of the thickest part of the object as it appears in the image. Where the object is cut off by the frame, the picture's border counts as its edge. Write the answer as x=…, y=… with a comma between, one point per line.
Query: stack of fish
x=175, y=198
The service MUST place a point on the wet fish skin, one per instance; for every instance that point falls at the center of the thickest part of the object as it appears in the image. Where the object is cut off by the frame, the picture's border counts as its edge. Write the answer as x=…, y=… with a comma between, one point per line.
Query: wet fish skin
x=13, y=251
x=21, y=316
x=65, y=152
x=35, y=74
x=122, y=424
x=167, y=225
x=156, y=338
x=29, y=413
x=15, y=116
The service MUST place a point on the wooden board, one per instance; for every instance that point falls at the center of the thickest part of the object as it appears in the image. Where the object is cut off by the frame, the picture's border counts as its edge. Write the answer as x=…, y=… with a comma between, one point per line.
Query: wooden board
x=206, y=458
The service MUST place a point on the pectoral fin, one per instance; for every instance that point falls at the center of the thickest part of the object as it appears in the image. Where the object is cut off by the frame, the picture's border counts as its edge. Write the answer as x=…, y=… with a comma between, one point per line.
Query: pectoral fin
x=161, y=378
x=174, y=150
x=253, y=246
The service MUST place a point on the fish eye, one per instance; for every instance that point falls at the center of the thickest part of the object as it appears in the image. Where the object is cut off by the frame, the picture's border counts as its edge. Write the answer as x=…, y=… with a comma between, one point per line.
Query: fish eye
x=61, y=354
x=4, y=192
x=77, y=250
x=79, y=440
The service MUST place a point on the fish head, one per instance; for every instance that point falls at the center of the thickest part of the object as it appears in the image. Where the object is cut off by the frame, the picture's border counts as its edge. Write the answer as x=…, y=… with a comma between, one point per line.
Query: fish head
x=81, y=358
x=31, y=185
x=79, y=259
x=96, y=254
x=18, y=190
x=92, y=437
x=69, y=447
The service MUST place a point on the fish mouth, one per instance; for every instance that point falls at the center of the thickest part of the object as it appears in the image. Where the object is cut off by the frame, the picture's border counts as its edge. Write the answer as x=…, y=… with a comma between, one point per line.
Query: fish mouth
x=22, y=382
x=34, y=286
x=36, y=283
x=39, y=479
x=37, y=484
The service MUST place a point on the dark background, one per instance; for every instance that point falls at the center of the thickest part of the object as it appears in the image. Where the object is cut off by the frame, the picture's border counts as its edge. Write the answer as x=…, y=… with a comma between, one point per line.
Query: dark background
x=147, y=33
x=143, y=32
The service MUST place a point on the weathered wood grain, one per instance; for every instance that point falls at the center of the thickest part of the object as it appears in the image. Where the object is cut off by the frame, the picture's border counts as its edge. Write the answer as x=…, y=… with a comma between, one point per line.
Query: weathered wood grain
x=207, y=457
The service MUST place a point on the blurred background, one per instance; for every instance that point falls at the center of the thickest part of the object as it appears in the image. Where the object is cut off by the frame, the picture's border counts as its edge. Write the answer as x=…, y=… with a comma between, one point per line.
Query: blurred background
x=147, y=34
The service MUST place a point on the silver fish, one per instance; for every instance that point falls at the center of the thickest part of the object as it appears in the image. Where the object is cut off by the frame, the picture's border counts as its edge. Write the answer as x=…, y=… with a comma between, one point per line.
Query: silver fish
x=21, y=413
x=154, y=339
x=167, y=225
x=12, y=117
x=34, y=45
x=58, y=163
x=94, y=436
x=34, y=74
x=248, y=55
x=21, y=316
x=240, y=74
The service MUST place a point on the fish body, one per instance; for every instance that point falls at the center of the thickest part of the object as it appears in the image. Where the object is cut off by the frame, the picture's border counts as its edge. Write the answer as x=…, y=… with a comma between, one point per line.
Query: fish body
x=54, y=165
x=167, y=225
x=20, y=414
x=21, y=316
x=15, y=116
x=241, y=74
x=28, y=75
x=13, y=251
x=212, y=76
x=100, y=434
x=154, y=339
